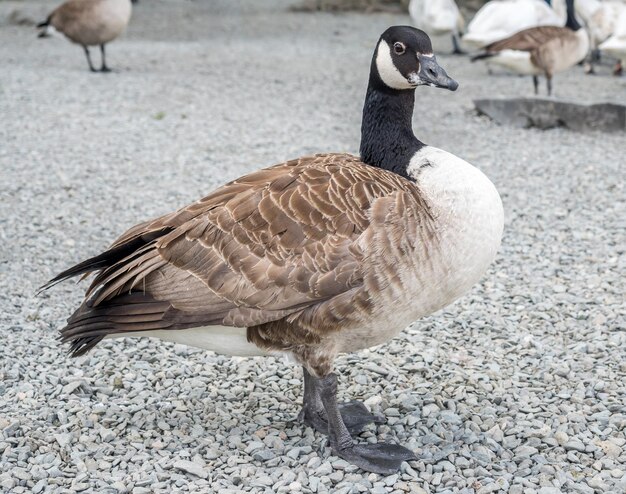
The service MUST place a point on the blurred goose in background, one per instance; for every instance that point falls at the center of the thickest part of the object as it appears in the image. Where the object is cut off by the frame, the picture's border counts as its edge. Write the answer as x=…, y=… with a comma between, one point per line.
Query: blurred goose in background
x=616, y=44
x=89, y=23
x=311, y=258
x=542, y=50
x=497, y=20
x=438, y=17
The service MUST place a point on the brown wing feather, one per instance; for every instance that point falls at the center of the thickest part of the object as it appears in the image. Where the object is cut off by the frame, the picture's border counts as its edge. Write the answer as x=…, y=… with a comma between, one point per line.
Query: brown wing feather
x=528, y=39
x=282, y=242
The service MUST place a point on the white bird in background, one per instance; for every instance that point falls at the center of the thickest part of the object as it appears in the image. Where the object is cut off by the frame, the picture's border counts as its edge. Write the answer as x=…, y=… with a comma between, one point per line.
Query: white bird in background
x=497, y=20
x=616, y=44
x=438, y=17
x=600, y=19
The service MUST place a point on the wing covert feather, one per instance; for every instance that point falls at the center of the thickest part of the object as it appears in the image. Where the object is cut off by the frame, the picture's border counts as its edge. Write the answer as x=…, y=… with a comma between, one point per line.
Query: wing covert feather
x=528, y=39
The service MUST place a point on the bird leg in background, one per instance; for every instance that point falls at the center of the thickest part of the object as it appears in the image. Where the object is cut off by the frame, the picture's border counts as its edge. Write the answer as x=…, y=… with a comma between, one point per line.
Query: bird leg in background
x=104, y=67
x=89, y=58
x=354, y=414
x=456, y=49
x=379, y=458
x=549, y=83
x=536, y=84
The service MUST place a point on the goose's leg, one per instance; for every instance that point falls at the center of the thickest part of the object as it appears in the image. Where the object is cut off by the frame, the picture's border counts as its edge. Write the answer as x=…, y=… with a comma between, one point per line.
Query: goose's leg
x=379, y=458
x=456, y=49
x=89, y=58
x=536, y=84
x=549, y=84
x=355, y=415
x=312, y=413
x=104, y=67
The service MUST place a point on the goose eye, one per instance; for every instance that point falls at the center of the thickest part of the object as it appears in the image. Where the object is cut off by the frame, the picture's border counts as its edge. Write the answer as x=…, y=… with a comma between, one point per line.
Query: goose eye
x=399, y=48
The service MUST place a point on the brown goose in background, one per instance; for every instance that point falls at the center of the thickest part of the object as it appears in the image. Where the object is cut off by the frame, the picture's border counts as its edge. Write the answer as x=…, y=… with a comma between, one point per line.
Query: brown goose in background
x=542, y=50
x=313, y=257
x=89, y=23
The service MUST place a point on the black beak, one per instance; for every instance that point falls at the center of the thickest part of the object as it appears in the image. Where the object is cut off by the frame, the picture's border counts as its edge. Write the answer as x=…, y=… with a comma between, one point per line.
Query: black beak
x=432, y=73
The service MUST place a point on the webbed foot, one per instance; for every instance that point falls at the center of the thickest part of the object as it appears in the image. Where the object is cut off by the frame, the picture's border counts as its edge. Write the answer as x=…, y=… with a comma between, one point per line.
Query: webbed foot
x=382, y=458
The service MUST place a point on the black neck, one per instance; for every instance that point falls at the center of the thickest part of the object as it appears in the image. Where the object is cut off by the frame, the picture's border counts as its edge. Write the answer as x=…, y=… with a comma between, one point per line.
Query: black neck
x=387, y=139
x=571, y=21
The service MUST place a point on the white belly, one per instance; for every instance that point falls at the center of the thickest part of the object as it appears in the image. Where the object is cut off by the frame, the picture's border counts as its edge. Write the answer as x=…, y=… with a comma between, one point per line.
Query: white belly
x=469, y=220
x=219, y=339
x=515, y=61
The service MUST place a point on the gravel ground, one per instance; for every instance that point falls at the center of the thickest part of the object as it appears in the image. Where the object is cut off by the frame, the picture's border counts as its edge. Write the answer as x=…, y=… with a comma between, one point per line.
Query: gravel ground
x=518, y=387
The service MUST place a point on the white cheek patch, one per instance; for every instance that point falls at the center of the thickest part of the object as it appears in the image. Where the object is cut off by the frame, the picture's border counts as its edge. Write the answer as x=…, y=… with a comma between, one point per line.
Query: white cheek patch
x=388, y=72
x=415, y=80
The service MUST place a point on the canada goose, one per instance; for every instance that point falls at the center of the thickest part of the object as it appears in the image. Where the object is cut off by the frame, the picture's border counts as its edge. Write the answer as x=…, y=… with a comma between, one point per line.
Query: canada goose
x=438, y=17
x=497, y=20
x=89, y=23
x=616, y=44
x=313, y=257
x=541, y=50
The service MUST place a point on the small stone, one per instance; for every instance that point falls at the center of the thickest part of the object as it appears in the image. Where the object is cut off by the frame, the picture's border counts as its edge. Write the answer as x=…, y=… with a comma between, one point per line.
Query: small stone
x=487, y=488
x=314, y=483
x=561, y=437
x=63, y=439
x=429, y=409
x=549, y=490
x=373, y=401
x=450, y=417
x=71, y=387
x=496, y=433
x=610, y=449
x=572, y=458
x=263, y=455
x=324, y=469
x=526, y=450
x=191, y=467
x=574, y=445
x=264, y=480
x=21, y=474
x=253, y=446
x=336, y=476
x=212, y=454
x=8, y=484
x=107, y=435
x=39, y=486
x=391, y=480
x=597, y=483
x=378, y=490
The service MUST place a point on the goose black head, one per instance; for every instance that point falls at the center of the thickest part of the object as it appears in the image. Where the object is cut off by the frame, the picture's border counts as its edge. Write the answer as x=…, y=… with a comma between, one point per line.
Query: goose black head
x=404, y=59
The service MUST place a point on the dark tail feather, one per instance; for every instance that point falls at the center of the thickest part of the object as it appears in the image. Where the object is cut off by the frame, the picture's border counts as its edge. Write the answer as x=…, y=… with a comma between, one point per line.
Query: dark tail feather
x=43, y=25
x=131, y=312
x=481, y=56
x=134, y=311
x=104, y=260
